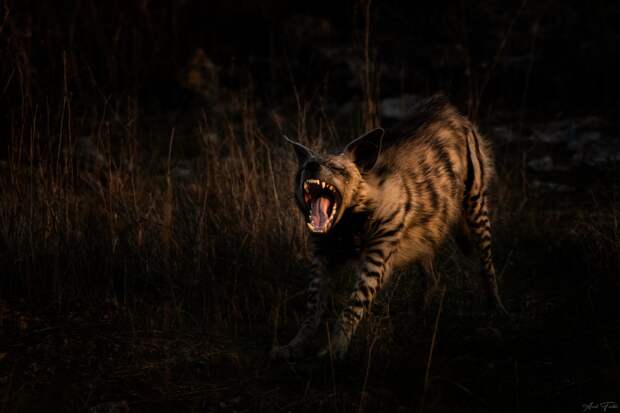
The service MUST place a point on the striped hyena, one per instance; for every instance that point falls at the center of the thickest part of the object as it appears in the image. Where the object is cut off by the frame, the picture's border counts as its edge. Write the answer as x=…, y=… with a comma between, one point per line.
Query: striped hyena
x=390, y=199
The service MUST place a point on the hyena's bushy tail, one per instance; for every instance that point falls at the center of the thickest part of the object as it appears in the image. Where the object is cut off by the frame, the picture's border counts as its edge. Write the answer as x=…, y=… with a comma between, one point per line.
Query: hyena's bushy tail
x=476, y=222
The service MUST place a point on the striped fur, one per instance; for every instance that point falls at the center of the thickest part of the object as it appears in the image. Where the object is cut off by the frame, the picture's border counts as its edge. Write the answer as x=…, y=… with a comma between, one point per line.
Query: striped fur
x=398, y=194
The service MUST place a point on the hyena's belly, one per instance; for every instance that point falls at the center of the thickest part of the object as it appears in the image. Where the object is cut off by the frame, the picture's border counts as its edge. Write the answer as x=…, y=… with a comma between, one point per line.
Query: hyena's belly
x=412, y=248
x=422, y=239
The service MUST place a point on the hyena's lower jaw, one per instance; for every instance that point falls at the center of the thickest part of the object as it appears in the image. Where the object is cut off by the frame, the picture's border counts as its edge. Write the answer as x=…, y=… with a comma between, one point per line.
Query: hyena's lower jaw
x=322, y=226
x=320, y=230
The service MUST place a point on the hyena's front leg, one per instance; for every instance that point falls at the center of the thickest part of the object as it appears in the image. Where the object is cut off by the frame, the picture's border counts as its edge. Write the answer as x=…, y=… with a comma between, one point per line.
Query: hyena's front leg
x=316, y=294
x=376, y=269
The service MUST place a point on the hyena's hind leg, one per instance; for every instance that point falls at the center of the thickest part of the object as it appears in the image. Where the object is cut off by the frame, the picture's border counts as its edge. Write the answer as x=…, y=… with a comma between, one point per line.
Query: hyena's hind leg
x=476, y=216
x=463, y=238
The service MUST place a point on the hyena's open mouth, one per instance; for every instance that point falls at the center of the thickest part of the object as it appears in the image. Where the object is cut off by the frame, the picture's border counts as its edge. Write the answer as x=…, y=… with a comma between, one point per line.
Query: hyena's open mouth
x=322, y=201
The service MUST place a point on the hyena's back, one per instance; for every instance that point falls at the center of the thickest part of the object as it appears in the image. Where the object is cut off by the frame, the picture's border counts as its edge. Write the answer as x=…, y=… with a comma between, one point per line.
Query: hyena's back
x=431, y=165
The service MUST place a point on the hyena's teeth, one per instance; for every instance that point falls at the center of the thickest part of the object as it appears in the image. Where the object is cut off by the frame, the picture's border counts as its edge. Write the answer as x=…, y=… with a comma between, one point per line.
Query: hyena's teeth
x=322, y=184
x=334, y=209
x=310, y=226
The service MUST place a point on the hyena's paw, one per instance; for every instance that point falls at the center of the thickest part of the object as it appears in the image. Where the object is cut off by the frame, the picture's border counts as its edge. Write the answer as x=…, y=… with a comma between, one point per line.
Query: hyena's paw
x=339, y=347
x=288, y=352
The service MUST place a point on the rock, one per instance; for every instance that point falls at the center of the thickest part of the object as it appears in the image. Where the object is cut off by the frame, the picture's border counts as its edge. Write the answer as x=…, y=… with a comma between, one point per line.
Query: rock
x=544, y=164
x=551, y=186
x=505, y=134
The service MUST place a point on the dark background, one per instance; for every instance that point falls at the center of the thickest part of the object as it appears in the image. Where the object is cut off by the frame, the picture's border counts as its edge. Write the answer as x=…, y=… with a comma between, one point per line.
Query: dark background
x=542, y=58
x=150, y=250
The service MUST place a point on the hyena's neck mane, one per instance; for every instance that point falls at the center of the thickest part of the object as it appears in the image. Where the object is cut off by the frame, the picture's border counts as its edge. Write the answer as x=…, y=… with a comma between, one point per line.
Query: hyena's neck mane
x=363, y=199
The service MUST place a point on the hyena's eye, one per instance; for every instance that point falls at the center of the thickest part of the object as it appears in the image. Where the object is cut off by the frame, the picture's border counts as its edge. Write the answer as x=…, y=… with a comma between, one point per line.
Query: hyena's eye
x=337, y=168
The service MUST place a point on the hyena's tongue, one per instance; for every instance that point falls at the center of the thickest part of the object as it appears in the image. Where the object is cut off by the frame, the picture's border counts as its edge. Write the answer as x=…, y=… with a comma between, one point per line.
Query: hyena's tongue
x=320, y=216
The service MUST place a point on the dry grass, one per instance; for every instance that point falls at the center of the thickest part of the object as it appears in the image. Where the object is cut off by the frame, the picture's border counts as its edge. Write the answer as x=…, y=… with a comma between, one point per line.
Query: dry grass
x=181, y=273
x=150, y=263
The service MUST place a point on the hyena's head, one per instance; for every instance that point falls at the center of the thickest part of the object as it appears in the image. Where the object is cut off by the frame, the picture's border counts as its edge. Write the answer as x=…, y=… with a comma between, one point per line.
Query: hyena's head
x=327, y=185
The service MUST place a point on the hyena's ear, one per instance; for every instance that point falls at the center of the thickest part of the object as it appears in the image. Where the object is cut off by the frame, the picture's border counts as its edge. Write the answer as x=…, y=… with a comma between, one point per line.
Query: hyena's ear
x=364, y=150
x=301, y=151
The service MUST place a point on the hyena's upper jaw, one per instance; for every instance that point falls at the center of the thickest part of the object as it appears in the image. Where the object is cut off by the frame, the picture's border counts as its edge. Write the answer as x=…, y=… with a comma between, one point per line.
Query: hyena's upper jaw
x=321, y=199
